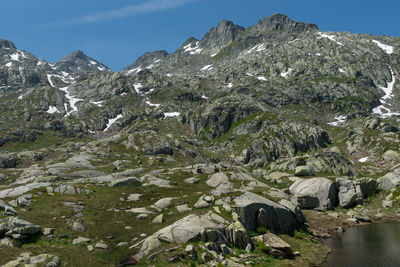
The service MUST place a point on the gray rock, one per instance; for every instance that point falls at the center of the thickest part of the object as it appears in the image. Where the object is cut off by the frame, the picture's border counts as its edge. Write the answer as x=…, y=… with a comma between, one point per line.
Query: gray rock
x=162, y=204
x=159, y=219
x=79, y=226
x=391, y=155
x=80, y=240
x=134, y=197
x=347, y=195
x=389, y=181
x=183, y=208
x=7, y=161
x=129, y=181
x=315, y=193
x=304, y=171
x=101, y=245
x=273, y=216
x=14, y=225
x=204, y=202
x=192, y=180
x=366, y=186
x=237, y=235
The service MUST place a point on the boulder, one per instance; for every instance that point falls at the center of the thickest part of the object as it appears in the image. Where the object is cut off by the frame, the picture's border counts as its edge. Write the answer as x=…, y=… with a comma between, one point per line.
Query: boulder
x=159, y=219
x=7, y=161
x=366, y=186
x=162, y=204
x=129, y=181
x=237, y=235
x=391, y=155
x=347, y=193
x=256, y=211
x=184, y=230
x=278, y=247
x=315, y=193
x=204, y=202
x=304, y=171
x=389, y=181
x=16, y=226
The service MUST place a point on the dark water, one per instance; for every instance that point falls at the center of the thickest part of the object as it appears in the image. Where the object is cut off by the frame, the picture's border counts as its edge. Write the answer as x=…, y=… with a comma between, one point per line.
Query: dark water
x=375, y=245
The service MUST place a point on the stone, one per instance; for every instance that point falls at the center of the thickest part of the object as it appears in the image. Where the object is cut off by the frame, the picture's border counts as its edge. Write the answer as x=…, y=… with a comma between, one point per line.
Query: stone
x=184, y=230
x=134, y=197
x=389, y=181
x=273, y=216
x=6, y=242
x=79, y=226
x=204, y=202
x=159, y=219
x=366, y=186
x=122, y=244
x=304, y=171
x=7, y=161
x=101, y=245
x=90, y=248
x=183, y=208
x=315, y=193
x=391, y=155
x=142, y=216
x=193, y=180
x=162, y=204
x=237, y=235
x=80, y=240
x=347, y=195
x=129, y=181
x=15, y=226
x=278, y=247
x=48, y=231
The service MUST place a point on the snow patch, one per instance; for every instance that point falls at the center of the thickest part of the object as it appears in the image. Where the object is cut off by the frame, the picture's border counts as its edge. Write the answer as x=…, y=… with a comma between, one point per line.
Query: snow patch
x=135, y=70
x=52, y=110
x=112, y=121
x=363, y=159
x=21, y=97
x=342, y=71
x=204, y=97
x=49, y=79
x=15, y=57
x=92, y=62
x=213, y=55
x=169, y=75
x=151, y=104
x=193, y=50
x=8, y=64
x=230, y=85
x=207, y=68
x=291, y=42
x=101, y=68
x=257, y=48
x=284, y=74
x=98, y=103
x=338, y=120
x=171, y=114
x=137, y=87
x=72, y=101
x=330, y=37
x=387, y=48
x=261, y=78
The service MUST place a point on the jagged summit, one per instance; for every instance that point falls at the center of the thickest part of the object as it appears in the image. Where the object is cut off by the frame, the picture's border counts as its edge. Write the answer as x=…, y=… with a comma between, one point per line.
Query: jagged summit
x=279, y=21
x=148, y=60
x=78, y=61
x=7, y=44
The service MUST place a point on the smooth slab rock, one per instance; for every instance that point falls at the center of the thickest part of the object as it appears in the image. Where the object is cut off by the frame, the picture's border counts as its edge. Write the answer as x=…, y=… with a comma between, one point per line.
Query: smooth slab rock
x=162, y=204
x=388, y=181
x=347, y=195
x=217, y=179
x=134, y=197
x=183, y=208
x=80, y=240
x=185, y=230
x=304, y=171
x=391, y=155
x=193, y=180
x=256, y=211
x=101, y=245
x=130, y=181
x=315, y=193
x=159, y=219
x=20, y=190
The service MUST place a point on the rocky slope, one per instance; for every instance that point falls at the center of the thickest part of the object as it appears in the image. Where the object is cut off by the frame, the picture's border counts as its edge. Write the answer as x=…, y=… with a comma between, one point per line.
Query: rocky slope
x=244, y=147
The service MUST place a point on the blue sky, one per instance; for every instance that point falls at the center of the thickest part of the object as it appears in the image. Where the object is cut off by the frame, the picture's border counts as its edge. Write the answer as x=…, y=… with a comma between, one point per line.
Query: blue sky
x=117, y=32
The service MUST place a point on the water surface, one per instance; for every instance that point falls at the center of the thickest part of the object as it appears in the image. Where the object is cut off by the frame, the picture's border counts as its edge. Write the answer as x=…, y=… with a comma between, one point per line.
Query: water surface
x=374, y=245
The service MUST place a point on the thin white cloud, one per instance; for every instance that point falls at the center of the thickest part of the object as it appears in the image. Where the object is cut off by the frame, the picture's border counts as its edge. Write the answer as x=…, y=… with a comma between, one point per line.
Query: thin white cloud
x=127, y=11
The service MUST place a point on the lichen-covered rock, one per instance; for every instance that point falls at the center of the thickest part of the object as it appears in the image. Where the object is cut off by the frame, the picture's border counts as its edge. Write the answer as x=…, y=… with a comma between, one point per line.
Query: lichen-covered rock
x=315, y=193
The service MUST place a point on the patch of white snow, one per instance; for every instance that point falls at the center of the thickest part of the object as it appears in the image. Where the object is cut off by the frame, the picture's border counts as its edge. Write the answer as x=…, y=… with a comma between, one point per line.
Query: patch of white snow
x=207, y=68
x=171, y=114
x=330, y=37
x=363, y=159
x=112, y=121
x=286, y=73
x=387, y=48
x=52, y=110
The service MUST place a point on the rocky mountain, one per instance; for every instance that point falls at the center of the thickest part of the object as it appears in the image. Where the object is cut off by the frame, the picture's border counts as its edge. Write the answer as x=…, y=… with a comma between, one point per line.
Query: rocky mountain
x=249, y=142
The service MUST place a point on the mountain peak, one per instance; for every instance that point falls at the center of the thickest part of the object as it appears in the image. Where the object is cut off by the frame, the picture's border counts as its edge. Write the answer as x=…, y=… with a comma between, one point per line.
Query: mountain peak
x=279, y=21
x=78, y=61
x=7, y=44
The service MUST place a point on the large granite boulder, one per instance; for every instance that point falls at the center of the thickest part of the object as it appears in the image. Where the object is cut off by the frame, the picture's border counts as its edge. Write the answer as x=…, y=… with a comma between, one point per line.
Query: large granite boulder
x=237, y=235
x=256, y=211
x=315, y=193
x=347, y=193
x=389, y=181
